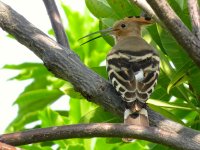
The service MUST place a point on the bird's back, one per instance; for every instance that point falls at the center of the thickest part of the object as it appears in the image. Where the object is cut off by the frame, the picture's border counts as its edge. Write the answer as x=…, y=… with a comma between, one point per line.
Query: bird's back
x=133, y=68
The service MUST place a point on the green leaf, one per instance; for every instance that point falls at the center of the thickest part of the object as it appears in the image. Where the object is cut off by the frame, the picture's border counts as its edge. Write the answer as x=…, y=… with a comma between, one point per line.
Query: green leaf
x=100, y=8
x=99, y=115
x=173, y=49
x=95, y=49
x=36, y=100
x=29, y=70
x=68, y=89
x=180, y=76
x=169, y=104
x=123, y=8
x=101, y=144
x=160, y=147
x=106, y=23
x=76, y=147
x=194, y=75
x=21, y=120
x=51, y=118
x=166, y=113
x=153, y=31
x=101, y=70
x=35, y=147
x=113, y=140
x=75, y=110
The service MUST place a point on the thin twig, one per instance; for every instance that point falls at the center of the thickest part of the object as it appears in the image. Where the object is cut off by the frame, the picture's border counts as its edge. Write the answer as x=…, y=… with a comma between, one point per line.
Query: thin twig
x=177, y=28
x=194, y=11
x=56, y=22
x=100, y=130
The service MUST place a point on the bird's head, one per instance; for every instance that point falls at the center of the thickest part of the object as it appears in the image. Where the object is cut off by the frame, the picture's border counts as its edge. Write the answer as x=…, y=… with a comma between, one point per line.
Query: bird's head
x=130, y=26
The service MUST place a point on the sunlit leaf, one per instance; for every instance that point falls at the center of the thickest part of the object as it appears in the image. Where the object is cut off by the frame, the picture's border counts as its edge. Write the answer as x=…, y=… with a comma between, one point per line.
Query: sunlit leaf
x=168, y=104
x=36, y=100
x=101, y=70
x=180, y=76
x=99, y=115
x=123, y=8
x=165, y=112
x=100, y=8
x=51, y=118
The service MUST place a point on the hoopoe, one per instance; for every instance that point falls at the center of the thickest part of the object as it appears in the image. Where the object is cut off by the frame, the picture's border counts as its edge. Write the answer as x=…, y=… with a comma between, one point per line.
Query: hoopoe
x=133, y=68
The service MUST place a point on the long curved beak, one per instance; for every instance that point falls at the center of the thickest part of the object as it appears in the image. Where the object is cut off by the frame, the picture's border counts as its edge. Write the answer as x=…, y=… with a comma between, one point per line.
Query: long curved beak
x=108, y=30
x=103, y=33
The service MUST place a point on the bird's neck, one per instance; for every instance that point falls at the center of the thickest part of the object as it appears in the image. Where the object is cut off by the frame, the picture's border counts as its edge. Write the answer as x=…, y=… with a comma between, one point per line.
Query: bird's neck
x=122, y=36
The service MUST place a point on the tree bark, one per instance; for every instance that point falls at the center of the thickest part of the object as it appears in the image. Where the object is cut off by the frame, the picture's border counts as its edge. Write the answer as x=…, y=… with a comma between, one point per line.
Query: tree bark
x=195, y=16
x=56, y=22
x=171, y=139
x=181, y=33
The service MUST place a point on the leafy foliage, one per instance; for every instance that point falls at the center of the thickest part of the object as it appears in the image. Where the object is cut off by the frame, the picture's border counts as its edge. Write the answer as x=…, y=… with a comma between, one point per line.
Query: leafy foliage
x=177, y=95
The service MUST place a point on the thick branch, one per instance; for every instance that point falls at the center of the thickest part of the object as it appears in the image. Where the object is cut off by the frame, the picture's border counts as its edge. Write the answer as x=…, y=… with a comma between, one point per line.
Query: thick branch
x=66, y=64
x=100, y=130
x=195, y=16
x=181, y=33
x=56, y=22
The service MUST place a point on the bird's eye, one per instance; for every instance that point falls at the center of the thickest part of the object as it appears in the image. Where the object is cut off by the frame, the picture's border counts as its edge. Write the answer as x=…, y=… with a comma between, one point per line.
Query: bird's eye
x=123, y=25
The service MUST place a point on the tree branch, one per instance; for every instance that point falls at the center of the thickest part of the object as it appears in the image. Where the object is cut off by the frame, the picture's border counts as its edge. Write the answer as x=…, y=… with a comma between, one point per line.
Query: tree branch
x=180, y=32
x=171, y=139
x=145, y=7
x=4, y=146
x=56, y=22
x=194, y=11
x=65, y=64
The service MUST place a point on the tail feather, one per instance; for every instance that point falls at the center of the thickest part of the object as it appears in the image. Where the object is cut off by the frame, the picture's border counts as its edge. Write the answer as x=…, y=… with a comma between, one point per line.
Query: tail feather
x=139, y=118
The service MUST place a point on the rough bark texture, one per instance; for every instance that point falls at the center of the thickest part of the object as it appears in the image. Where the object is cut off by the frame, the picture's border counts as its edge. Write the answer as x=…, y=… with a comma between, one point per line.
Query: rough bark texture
x=66, y=64
x=195, y=16
x=181, y=33
x=171, y=139
x=56, y=22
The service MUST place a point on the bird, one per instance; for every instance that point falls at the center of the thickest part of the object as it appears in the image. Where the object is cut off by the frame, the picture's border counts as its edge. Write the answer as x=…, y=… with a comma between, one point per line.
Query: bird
x=133, y=68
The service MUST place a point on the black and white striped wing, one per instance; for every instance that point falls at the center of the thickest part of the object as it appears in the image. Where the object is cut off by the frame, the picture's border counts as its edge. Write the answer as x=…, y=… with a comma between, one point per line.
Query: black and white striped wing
x=133, y=74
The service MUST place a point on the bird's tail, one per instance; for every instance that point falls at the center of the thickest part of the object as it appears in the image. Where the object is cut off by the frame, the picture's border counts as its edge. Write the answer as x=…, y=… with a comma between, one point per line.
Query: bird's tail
x=135, y=117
